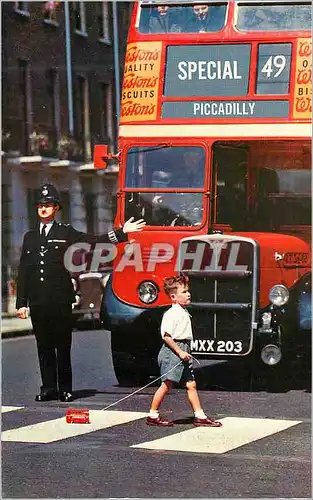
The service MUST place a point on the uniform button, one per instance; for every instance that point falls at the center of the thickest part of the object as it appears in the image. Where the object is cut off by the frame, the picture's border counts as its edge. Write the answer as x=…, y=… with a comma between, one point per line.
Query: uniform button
x=41, y=270
x=41, y=262
x=42, y=279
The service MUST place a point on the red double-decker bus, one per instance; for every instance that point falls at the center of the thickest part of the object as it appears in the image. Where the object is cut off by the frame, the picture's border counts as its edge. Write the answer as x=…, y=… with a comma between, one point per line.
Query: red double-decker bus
x=215, y=155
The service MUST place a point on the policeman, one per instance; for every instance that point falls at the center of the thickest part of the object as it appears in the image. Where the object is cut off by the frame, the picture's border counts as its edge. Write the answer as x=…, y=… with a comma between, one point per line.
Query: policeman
x=44, y=284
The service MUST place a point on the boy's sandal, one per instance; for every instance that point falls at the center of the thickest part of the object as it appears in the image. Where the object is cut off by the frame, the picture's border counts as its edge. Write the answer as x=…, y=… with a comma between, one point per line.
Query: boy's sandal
x=206, y=422
x=159, y=422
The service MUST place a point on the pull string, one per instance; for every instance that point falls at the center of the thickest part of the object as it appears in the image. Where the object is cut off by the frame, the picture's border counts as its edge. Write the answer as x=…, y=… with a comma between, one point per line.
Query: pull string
x=144, y=387
x=141, y=388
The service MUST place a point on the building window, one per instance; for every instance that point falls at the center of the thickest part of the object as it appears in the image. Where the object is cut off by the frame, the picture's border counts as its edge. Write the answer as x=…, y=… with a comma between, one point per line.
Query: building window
x=80, y=17
x=103, y=19
x=25, y=100
x=50, y=12
x=65, y=213
x=21, y=8
x=82, y=114
x=53, y=87
x=80, y=105
x=32, y=197
x=106, y=113
x=89, y=200
x=104, y=108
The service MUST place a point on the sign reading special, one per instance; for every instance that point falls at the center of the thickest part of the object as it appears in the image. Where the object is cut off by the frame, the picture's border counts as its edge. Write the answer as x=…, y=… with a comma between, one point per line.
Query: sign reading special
x=141, y=82
x=207, y=70
x=302, y=106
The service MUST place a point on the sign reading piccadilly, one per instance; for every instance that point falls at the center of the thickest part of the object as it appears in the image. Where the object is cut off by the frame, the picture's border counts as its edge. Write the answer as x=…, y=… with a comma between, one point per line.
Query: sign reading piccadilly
x=141, y=82
x=220, y=109
x=302, y=106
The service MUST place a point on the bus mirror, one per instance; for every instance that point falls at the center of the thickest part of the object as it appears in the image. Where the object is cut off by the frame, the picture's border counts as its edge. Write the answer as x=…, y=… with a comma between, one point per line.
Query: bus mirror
x=100, y=156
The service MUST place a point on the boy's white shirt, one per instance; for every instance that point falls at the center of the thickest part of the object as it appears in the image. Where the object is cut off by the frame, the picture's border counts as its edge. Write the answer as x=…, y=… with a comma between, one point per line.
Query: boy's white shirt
x=176, y=322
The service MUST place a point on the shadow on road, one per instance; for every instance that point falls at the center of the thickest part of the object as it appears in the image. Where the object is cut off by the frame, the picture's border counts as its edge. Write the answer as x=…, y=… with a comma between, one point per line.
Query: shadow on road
x=226, y=376
x=237, y=377
x=84, y=393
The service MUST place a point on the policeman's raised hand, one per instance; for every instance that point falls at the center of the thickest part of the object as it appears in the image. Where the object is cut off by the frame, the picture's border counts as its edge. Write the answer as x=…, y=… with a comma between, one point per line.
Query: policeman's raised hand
x=22, y=312
x=132, y=226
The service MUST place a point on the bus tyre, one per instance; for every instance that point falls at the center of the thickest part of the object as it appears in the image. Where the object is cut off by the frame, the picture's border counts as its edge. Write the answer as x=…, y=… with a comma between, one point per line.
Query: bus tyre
x=126, y=367
x=128, y=374
x=274, y=378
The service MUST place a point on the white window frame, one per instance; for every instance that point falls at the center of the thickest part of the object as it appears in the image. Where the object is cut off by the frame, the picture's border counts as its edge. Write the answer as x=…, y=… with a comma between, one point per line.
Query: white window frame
x=23, y=11
x=52, y=20
x=82, y=13
x=105, y=23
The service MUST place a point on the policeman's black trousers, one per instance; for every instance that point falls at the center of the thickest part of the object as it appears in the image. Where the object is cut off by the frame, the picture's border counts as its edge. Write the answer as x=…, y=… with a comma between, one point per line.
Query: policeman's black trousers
x=52, y=326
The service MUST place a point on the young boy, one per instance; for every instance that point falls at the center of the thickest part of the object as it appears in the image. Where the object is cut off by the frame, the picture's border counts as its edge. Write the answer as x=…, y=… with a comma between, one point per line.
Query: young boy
x=176, y=332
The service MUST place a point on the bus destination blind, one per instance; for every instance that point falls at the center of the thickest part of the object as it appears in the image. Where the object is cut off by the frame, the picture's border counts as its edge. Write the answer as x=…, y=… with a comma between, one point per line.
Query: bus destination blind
x=223, y=71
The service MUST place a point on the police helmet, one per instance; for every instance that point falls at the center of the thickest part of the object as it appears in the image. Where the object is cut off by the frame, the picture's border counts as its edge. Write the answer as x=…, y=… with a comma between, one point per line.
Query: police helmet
x=49, y=194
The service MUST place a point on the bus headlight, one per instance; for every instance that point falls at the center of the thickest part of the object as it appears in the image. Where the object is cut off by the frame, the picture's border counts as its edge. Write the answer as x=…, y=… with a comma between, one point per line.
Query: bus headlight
x=271, y=354
x=278, y=295
x=148, y=292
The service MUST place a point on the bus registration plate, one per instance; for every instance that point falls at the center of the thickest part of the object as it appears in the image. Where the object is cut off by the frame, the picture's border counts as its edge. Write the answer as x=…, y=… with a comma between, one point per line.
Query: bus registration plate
x=207, y=346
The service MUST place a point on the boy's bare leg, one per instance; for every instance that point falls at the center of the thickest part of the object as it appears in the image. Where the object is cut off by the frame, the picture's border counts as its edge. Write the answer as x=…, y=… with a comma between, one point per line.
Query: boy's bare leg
x=193, y=397
x=200, y=416
x=154, y=417
x=160, y=394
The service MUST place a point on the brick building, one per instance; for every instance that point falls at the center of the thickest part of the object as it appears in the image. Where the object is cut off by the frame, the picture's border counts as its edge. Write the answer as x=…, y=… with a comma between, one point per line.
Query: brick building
x=58, y=100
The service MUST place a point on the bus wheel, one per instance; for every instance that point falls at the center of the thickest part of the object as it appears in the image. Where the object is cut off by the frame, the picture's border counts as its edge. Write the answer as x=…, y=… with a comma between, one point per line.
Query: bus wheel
x=273, y=378
x=128, y=370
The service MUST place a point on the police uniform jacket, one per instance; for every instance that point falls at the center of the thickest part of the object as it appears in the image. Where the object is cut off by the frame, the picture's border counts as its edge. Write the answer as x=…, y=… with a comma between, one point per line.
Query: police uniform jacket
x=42, y=276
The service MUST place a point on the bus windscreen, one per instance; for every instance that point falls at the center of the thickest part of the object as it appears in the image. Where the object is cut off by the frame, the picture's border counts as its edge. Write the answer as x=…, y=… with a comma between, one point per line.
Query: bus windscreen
x=179, y=169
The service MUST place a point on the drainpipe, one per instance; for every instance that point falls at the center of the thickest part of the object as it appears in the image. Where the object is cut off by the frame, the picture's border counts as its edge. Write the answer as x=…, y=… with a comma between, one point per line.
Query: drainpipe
x=69, y=68
x=116, y=62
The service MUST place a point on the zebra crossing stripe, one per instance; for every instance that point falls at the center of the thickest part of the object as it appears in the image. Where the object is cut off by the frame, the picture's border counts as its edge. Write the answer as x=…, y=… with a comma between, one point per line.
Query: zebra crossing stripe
x=5, y=409
x=235, y=432
x=57, y=429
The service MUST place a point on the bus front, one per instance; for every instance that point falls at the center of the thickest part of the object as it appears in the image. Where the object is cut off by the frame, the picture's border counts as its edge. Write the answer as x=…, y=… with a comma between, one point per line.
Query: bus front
x=215, y=155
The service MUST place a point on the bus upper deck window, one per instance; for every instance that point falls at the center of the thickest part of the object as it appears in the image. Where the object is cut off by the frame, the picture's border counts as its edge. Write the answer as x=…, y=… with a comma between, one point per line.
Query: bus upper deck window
x=198, y=18
x=274, y=17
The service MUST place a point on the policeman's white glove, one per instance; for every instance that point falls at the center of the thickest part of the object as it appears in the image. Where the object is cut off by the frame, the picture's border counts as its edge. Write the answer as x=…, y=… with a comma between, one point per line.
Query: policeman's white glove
x=22, y=312
x=130, y=226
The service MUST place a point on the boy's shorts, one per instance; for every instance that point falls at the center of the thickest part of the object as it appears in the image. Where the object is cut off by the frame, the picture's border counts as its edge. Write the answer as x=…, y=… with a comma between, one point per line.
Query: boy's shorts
x=167, y=359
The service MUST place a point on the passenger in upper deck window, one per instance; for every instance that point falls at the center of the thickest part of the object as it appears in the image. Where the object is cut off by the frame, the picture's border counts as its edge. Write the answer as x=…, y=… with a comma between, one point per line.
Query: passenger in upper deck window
x=203, y=18
x=200, y=19
x=164, y=20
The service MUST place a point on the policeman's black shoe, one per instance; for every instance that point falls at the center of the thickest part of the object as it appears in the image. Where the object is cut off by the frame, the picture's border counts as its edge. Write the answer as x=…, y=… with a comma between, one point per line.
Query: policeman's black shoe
x=46, y=396
x=66, y=397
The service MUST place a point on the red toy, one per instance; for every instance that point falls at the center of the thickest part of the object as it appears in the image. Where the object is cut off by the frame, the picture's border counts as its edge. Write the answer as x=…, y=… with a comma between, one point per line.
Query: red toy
x=77, y=416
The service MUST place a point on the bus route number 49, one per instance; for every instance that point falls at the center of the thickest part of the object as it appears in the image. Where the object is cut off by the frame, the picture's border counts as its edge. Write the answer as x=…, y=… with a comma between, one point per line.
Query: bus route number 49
x=276, y=63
